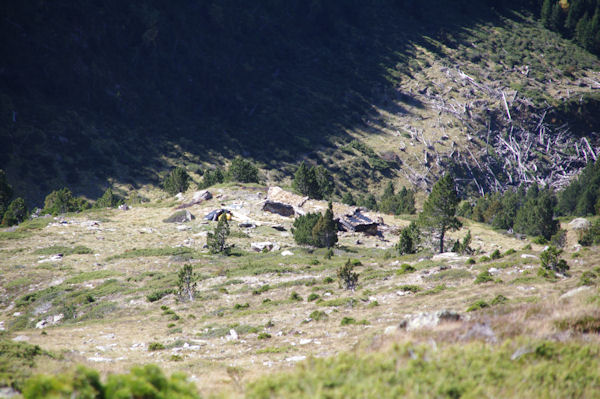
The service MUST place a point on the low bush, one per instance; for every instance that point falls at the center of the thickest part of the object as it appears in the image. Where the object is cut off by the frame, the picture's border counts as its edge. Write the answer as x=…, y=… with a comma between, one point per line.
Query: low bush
x=16, y=361
x=155, y=346
x=480, y=304
x=318, y=315
x=158, y=295
x=465, y=370
x=294, y=296
x=142, y=382
x=405, y=268
x=484, y=277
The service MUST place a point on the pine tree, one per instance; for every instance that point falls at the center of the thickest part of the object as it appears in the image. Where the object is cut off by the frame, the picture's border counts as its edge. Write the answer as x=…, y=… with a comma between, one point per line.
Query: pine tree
x=6, y=193
x=177, y=181
x=186, y=284
x=15, y=213
x=108, y=200
x=324, y=232
x=546, y=12
x=305, y=181
x=302, y=228
x=242, y=171
x=348, y=199
x=409, y=239
x=217, y=240
x=439, y=209
x=324, y=182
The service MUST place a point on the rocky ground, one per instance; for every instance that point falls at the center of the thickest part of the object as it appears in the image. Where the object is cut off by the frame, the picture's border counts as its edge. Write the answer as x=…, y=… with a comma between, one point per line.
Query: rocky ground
x=80, y=287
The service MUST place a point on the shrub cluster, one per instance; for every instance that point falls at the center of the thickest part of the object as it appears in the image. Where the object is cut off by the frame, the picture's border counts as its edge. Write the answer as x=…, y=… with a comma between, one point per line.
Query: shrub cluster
x=142, y=382
x=319, y=230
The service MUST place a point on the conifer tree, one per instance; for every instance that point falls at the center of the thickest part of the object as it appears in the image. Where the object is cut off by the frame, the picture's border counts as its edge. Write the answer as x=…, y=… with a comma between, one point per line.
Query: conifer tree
x=6, y=193
x=217, y=240
x=15, y=213
x=439, y=209
x=325, y=230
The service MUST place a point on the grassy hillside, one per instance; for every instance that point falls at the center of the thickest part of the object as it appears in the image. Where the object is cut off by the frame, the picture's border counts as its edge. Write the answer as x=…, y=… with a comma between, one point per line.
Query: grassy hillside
x=101, y=92
x=278, y=324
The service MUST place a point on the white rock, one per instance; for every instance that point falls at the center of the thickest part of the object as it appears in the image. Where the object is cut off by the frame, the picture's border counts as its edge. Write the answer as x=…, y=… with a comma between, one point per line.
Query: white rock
x=295, y=358
x=390, y=330
x=528, y=256
x=182, y=227
x=21, y=338
x=179, y=197
x=233, y=334
x=305, y=341
x=200, y=196
x=287, y=253
x=99, y=359
x=493, y=270
x=580, y=224
x=265, y=245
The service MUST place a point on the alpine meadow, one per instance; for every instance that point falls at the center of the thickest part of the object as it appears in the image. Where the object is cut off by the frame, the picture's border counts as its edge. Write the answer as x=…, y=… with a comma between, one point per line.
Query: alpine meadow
x=299, y=199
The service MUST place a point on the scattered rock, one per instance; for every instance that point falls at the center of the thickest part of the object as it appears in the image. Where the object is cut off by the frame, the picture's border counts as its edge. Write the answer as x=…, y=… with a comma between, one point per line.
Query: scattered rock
x=295, y=359
x=50, y=321
x=182, y=227
x=99, y=359
x=197, y=198
x=277, y=194
x=480, y=331
x=180, y=217
x=124, y=207
x=493, y=270
x=278, y=208
x=390, y=330
x=580, y=224
x=449, y=257
x=264, y=246
x=287, y=253
x=429, y=319
x=179, y=197
x=575, y=291
x=200, y=196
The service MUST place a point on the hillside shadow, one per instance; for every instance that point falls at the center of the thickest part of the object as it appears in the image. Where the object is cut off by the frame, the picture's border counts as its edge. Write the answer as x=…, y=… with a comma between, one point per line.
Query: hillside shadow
x=99, y=90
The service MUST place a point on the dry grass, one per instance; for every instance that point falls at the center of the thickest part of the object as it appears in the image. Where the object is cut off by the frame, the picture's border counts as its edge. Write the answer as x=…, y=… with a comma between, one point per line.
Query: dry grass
x=114, y=342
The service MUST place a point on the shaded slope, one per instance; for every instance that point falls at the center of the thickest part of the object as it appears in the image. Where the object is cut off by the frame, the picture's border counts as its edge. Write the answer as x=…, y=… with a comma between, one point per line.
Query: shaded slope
x=103, y=90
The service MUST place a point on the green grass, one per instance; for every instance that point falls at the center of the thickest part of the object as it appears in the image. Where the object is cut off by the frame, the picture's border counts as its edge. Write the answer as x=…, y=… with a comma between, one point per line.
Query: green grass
x=449, y=275
x=87, y=276
x=25, y=229
x=339, y=302
x=59, y=249
x=473, y=370
x=142, y=252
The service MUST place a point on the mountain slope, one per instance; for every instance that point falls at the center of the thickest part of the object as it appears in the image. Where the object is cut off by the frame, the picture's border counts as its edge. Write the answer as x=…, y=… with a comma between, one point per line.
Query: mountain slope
x=97, y=93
